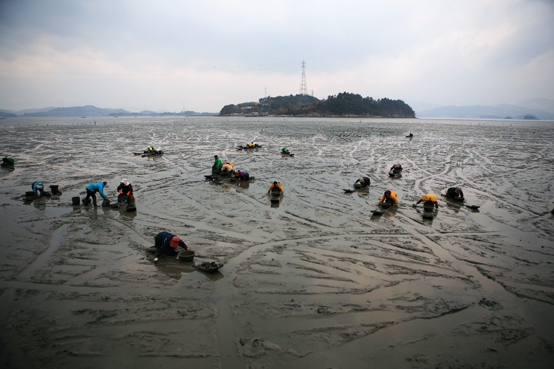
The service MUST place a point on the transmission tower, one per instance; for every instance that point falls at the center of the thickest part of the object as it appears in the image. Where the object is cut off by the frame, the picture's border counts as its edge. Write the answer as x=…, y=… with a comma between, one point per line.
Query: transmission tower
x=303, y=87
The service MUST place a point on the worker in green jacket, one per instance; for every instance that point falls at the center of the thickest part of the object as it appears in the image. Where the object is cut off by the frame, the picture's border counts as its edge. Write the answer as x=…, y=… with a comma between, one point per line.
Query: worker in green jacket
x=7, y=161
x=216, y=168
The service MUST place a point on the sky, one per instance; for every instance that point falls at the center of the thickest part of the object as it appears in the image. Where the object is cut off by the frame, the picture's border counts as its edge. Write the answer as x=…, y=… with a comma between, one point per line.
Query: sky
x=201, y=55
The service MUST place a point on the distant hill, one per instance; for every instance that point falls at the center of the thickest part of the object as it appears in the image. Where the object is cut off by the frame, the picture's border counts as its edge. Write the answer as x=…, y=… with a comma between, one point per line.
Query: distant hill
x=342, y=105
x=7, y=114
x=76, y=111
x=167, y=113
x=22, y=112
x=539, y=103
x=88, y=111
x=500, y=112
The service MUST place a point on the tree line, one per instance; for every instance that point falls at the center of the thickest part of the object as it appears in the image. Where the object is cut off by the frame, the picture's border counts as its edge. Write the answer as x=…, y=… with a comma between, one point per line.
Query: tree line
x=343, y=104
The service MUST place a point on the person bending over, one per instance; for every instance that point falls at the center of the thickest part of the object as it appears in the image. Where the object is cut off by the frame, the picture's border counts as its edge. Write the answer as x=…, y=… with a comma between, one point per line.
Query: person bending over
x=242, y=176
x=389, y=195
x=167, y=243
x=396, y=168
x=429, y=198
x=275, y=186
x=93, y=188
x=364, y=181
x=454, y=193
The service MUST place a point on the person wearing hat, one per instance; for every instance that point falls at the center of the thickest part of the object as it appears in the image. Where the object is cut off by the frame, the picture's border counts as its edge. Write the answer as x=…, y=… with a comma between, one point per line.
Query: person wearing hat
x=389, y=194
x=429, y=198
x=125, y=187
x=216, y=168
x=125, y=192
x=167, y=243
x=275, y=186
x=93, y=188
x=364, y=181
x=454, y=193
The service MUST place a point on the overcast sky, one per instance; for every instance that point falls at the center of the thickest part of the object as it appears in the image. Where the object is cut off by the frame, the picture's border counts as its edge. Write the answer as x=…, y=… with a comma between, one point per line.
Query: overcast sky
x=201, y=54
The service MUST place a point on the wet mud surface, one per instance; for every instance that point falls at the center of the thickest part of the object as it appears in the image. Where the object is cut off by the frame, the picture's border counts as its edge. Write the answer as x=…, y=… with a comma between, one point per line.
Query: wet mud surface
x=314, y=281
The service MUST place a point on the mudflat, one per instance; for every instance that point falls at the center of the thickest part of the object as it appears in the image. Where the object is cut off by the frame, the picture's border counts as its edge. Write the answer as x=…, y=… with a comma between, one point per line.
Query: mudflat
x=317, y=280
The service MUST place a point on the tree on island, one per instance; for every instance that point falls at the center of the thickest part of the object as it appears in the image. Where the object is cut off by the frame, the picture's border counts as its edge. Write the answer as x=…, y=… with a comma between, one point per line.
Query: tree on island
x=343, y=104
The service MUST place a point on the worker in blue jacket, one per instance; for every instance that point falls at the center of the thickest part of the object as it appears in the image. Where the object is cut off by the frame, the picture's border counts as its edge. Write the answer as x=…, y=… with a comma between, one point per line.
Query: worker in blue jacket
x=93, y=188
x=38, y=188
x=455, y=193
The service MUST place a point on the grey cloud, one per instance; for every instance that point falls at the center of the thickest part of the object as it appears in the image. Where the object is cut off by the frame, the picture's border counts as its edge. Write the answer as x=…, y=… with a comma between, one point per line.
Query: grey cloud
x=248, y=40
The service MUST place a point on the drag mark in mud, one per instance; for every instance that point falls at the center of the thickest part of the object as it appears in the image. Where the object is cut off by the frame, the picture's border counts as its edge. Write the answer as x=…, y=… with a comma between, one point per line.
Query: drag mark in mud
x=316, y=282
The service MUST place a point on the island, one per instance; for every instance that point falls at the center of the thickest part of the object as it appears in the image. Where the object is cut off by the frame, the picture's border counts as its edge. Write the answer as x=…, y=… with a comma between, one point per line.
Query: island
x=342, y=105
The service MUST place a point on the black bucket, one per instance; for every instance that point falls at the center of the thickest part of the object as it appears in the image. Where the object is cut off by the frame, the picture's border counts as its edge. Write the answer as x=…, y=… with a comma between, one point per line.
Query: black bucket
x=55, y=189
x=428, y=206
x=187, y=255
x=275, y=196
x=76, y=200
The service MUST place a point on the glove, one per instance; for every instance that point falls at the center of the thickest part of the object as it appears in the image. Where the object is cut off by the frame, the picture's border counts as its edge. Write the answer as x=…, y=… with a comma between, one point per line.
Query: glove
x=155, y=260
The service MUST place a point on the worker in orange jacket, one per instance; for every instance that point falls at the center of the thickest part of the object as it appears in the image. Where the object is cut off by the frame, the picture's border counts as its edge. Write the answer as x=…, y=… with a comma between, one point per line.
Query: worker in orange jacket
x=429, y=198
x=275, y=186
x=389, y=194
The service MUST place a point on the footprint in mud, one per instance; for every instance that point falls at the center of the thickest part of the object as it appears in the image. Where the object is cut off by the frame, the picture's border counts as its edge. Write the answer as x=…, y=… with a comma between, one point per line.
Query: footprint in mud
x=255, y=347
x=490, y=304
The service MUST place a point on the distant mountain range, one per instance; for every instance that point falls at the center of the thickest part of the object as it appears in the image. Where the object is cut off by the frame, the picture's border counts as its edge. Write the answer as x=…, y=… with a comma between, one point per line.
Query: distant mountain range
x=539, y=103
x=538, y=108
x=85, y=111
x=503, y=111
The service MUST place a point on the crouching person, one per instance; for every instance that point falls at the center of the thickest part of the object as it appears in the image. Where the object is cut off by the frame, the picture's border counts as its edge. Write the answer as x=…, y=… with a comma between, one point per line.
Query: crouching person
x=38, y=188
x=167, y=243
x=92, y=189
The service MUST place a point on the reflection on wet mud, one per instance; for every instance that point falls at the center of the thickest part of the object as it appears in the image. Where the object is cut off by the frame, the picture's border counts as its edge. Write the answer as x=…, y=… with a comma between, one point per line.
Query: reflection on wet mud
x=321, y=282
x=39, y=205
x=243, y=184
x=175, y=268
